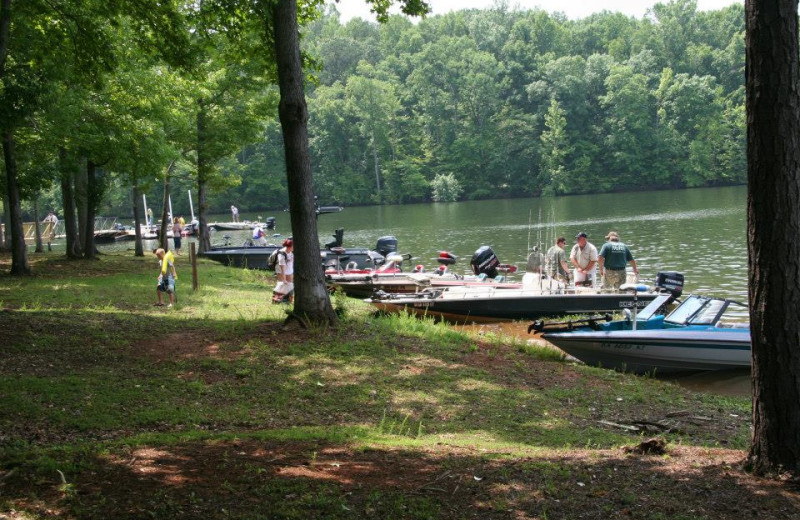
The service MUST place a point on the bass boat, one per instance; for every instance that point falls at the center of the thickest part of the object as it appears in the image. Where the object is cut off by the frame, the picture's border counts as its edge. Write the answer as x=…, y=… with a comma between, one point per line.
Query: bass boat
x=539, y=297
x=700, y=334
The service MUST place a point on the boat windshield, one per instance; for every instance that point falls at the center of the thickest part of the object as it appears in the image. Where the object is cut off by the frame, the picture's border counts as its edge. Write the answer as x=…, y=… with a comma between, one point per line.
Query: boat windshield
x=697, y=310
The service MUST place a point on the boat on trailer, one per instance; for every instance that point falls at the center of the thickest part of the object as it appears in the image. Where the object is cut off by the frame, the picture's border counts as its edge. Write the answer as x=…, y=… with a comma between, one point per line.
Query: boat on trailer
x=700, y=334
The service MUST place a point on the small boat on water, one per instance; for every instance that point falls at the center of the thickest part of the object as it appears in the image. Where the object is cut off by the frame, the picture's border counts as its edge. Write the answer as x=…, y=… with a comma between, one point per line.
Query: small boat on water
x=697, y=335
x=363, y=284
x=334, y=256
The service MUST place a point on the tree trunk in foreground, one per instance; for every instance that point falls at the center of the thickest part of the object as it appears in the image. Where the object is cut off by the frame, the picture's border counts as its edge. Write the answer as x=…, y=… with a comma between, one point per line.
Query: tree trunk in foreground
x=311, y=302
x=773, y=173
x=93, y=193
x=68, y=201
x=19, y=253
x=139, y=248
x=37, y=226
x=203, y=172
x=165, y=223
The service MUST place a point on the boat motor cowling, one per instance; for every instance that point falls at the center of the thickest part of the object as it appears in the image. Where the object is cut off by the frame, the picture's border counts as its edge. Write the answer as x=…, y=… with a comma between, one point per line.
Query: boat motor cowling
x=484, y=261
x=446, y=258
x=386, y=245
x=670, y=281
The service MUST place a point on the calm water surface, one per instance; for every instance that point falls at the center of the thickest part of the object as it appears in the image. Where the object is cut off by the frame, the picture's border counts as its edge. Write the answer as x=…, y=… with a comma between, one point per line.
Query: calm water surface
x=699, y=232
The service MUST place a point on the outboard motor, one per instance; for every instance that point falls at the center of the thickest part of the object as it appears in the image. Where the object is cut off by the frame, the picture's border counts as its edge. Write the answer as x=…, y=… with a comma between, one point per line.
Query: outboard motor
x=338, y=238
x=270, y=222
x=484, y=261
x=446, y=258
x=386, y=245
x=670, y=281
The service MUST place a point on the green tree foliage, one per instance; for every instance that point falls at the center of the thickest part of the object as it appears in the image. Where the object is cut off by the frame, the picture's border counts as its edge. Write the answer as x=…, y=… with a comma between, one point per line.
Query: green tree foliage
x=641, y=103
x=446, y=188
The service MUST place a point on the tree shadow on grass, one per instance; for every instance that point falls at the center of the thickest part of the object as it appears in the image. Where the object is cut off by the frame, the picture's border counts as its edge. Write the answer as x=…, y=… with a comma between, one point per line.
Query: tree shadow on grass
x=263, y=478
x=89, y=375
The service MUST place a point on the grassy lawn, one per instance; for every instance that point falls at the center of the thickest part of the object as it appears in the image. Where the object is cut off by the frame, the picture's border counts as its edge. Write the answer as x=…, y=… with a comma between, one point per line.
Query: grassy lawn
x=113, y=408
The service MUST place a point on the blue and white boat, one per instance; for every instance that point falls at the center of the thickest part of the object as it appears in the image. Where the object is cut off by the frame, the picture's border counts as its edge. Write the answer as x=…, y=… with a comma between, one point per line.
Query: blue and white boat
x=698, y=335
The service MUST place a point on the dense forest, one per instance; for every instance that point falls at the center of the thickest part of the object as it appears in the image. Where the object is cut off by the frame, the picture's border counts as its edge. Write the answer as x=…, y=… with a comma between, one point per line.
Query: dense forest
x=468, y=105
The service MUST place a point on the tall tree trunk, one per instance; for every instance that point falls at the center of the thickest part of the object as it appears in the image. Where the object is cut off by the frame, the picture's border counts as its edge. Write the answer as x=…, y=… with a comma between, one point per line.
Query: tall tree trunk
x=2, y=233
x=81, y=202
x=68, y=201
x=203, y=171
x=165, y=207
x=6, y=217
x=312, y=302
x=139, y=248
x=93, y=196
x=38, y=227
x=5, y=29
x=773, y=172
x=377, y=167
x=19, y=253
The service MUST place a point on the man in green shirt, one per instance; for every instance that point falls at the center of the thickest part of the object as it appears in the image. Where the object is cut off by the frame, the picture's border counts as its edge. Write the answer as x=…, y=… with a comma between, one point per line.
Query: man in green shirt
x=612, y=259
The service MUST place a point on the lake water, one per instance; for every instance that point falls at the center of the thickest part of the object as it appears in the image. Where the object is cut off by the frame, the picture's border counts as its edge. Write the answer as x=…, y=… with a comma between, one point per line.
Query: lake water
x=699, y=232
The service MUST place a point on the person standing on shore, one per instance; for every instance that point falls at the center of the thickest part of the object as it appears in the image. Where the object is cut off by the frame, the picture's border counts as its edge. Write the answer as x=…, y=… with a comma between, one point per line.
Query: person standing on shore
x=166, y=277
x=613, y=258
x=285, y=271
x=584, y=257
x=177, y=234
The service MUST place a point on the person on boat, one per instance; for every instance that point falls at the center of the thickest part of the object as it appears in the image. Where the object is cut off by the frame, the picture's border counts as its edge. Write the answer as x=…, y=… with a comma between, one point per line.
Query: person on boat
x=177, y=233
x=166, y=277
x=557, y=266
x=535, y=261
x=285, y=271
x=614, y=256
x=149, y=216
x=584, y=258
x=259, y=237
x=234, y=213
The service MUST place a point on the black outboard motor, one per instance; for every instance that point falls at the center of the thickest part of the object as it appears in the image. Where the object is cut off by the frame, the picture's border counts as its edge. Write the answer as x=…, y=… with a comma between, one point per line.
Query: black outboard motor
x=386, y=245
x=484, y=261
x=271, y=223
x=338, y=238
x=670, y=281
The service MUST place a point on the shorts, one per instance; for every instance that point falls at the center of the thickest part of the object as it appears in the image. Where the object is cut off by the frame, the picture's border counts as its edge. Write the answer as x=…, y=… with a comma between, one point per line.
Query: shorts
x=177, y=240
x=167, y=285
x=613, y=278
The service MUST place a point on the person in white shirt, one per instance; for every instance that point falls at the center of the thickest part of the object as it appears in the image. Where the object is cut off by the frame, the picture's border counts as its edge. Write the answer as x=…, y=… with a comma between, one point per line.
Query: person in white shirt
x=259, y=237
x=285, y=271
x=584, y=258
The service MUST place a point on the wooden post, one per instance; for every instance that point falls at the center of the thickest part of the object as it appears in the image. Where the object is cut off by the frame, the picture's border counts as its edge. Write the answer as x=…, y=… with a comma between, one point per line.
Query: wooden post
x=193, y=255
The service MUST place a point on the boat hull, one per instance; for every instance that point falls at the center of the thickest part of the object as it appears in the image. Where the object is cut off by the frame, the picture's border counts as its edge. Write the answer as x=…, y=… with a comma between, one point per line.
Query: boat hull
x=257, y=257
x=659, y=351
x=510, y=304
